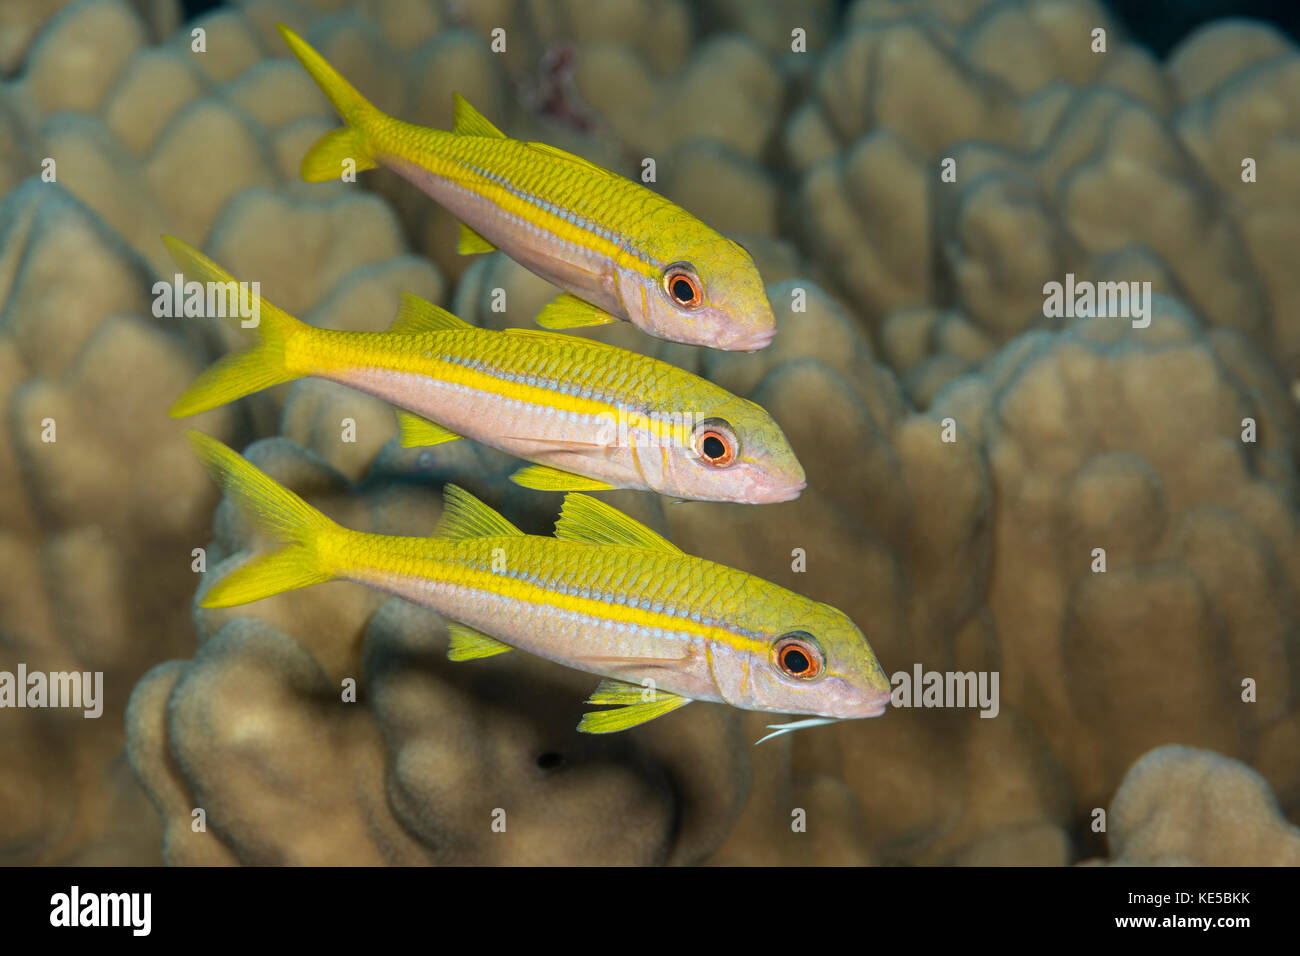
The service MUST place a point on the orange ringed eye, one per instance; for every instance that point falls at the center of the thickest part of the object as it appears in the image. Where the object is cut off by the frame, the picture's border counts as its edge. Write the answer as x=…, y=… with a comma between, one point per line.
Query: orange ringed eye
x=798, y=658
x=683, y=288
x=716, y=448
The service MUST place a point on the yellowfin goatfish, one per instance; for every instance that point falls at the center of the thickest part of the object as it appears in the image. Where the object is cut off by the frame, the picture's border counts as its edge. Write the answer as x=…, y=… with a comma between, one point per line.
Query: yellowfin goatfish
x=611, y=242
x=591, y=416
x=606, y=595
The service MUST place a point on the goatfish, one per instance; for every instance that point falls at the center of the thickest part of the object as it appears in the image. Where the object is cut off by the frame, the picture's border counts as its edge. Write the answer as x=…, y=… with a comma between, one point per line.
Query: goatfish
x=606, y=595
x=590, y=416
x=621, y=250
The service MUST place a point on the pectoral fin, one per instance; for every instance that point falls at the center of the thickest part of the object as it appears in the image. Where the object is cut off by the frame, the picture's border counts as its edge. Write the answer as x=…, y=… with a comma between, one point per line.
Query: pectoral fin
x=545, y=478
x=570, y=312
x=468, y=644
x=635, y=705
x=414, y=431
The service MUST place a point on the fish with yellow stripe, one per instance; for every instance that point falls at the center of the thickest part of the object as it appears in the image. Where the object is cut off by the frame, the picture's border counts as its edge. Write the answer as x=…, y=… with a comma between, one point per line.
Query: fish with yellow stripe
x=589, y=415
x=621, y=250
x=606, y=595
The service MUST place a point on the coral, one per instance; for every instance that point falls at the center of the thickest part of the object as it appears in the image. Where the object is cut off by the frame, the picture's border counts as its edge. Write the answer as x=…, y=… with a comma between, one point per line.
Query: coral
x=1178, y=805
x=100, y=508
x=907, y=306
x=1059, y=153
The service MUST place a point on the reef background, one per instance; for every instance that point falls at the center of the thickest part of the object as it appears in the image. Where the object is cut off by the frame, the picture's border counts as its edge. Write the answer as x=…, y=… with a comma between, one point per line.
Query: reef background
x=1120, y=691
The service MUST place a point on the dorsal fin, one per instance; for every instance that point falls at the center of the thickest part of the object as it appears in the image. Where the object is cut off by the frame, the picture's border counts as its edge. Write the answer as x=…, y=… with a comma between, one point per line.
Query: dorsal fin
x=464, y=516
x=420, y=315
x=556, y=153
x=470, y=122
x=584, y=518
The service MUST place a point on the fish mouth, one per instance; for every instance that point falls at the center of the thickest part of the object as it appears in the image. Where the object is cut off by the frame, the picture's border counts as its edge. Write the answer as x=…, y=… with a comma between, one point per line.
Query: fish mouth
x=788, y=493
x=768, y=495
x=873, y=706
x=751, y=342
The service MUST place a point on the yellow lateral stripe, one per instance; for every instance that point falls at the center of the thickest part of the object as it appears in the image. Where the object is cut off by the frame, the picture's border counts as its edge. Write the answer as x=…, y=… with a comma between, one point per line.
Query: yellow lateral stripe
x=454, y=373
x=463, y=174
x=461, y=575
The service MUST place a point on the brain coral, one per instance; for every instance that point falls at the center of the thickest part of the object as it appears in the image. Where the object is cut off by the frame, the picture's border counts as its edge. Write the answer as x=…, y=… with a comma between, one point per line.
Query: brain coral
x=911, y=312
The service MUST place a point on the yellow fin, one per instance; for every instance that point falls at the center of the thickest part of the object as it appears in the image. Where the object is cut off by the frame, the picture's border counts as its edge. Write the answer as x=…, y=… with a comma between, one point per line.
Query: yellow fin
x=546, y=478
x=324, y=161
x=420, y=315
x=244, y=372
x=570, y=312
x=471, y=243
x=464, y=516
x=470, y=122
x=416, y=432
x=278, y=512
x=329, y=158
x=583, y=518
x=633, y=706
x=468, y=644
x=621, y=693
x=284, y=569
x=556, y=153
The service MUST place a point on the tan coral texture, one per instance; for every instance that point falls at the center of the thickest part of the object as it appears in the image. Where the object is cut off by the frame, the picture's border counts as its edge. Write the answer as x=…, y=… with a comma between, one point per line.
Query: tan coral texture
x=1100, y=512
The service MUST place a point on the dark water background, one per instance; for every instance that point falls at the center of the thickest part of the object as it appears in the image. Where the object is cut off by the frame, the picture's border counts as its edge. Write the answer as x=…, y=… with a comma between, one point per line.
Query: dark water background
x=1159, y=24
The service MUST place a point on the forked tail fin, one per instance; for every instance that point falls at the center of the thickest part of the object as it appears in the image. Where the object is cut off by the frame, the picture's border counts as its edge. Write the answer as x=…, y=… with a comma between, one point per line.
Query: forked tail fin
x=308, y=538
x=326, y=160
x=244, y=372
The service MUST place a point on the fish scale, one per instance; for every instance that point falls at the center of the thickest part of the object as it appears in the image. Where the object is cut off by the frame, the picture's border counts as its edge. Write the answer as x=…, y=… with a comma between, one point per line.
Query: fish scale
x=606, y=595
x=613, y=243
x=588, y=415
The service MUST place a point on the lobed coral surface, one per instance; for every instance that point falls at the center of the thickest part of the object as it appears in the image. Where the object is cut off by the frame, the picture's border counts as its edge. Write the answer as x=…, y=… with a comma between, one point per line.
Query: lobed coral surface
x=1164, y=690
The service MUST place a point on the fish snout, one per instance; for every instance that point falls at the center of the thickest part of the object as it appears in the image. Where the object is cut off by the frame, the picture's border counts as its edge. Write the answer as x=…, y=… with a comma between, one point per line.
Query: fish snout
x=751, y=341
x=787, y=492
x=873, y=705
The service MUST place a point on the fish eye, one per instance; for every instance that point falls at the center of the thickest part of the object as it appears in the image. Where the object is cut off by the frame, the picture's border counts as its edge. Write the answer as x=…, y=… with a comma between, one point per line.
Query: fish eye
x=683, y=286
x=715, y=443
x=797, y=655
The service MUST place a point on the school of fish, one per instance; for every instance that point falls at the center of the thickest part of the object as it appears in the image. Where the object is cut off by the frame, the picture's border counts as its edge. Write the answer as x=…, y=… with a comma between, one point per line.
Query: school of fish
x=606, y=594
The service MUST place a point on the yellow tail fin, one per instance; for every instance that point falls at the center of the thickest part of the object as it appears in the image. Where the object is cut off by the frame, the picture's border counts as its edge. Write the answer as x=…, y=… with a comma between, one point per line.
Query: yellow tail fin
x=328, y=158
x=245, y=372
x=307, y=535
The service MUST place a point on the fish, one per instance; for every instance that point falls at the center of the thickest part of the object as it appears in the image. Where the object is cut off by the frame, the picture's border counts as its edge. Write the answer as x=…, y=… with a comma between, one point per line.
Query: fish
x=590, y=416
x=620, y=249
x=606, y=595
